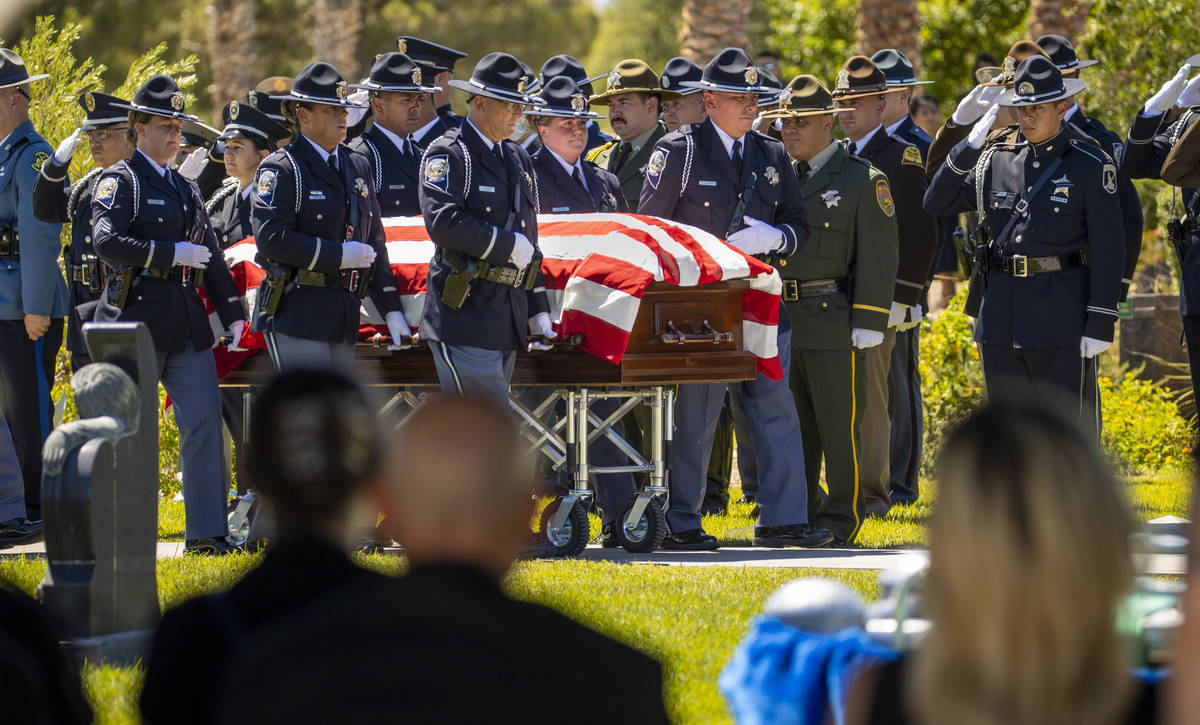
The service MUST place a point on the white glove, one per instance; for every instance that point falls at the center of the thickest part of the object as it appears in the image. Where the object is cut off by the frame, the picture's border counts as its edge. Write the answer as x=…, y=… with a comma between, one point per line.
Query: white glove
x=757, y=237
x=355, y=113
x=191, y=255
x=862, y=339
x=983, y=127
x=237, y=329
x=975, y=103
x=194, y=164
x=1191, y=95
x=399, y=330
x=1162, y=101
x=66, y=148
x=912, y=318
x=541, y=329
x=356, y=255
x=522, y=251
x=1090, y=347
x=897, y=314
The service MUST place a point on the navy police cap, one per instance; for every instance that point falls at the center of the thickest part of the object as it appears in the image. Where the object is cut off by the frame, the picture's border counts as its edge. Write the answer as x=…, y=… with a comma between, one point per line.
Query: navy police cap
x=437, y=58
x=731, y=71
x=159, y=96
x=100, y=110
x=571, y=67
x=1062, y=52
x=398, y=73
x=321, y=83
x=502, y=77
x=563, y=99
x=245, y=121
x=271, y=107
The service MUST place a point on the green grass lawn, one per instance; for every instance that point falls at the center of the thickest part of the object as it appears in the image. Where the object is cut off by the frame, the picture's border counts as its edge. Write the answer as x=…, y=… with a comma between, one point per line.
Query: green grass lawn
x=689, y=618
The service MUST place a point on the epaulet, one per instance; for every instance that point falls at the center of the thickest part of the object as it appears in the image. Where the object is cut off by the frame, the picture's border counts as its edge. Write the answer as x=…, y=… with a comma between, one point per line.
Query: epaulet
x=228, y=187
x=595, y=153
x=1092, y=150
x=77, y=190
x=861, y=160
x=1078, y=133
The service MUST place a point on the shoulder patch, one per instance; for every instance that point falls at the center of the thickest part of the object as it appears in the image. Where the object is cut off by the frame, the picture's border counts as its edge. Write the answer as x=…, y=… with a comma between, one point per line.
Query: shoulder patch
x=106, y=191
x=267, y=179
x=654, y=167
x=38, y=159
x=912, y=155
x=437, y=171
x=883, y=195
x=1109, y=178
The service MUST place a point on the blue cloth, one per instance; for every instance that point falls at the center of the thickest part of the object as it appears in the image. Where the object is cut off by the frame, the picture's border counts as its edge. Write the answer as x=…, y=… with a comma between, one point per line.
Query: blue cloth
x=469, y=370
x=782, y=675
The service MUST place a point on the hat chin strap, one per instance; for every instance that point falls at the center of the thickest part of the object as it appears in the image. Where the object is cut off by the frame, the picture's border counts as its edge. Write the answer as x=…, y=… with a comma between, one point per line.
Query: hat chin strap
x=1037, y=97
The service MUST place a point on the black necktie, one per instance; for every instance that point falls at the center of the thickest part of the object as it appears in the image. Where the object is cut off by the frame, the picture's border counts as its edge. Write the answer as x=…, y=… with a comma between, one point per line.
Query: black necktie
x=499, y=150
x=578, y=177
x=853, y=149
x=737, y=155
x=622, y=156
x=332, y=161
x=803, y=170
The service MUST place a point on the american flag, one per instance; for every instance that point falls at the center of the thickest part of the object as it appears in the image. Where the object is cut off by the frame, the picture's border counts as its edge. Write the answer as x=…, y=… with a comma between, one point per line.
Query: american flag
x=596, y=267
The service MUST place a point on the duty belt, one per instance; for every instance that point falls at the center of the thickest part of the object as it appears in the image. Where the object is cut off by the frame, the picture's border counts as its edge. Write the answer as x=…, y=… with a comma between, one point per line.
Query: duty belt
x=794, y=289
x=1019, y=265
x=90, y=272
x=353, y=280
x=189, y=277
x=510, y=276
x=10, y=247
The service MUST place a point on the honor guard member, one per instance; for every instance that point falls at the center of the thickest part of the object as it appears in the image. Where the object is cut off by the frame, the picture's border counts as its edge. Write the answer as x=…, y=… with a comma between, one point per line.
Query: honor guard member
x=440, y=61
x=1158, y=148
x=33, y=295
x=907, y=411
x=739, y=185
x=479, y=198
x=396, y=97
x=320, y=234
x=265, y=97
x=861, y=89
x=150, y=227
x=1057, y=252
x=249, y=136
x=853, y=238
x=567, y=184
x=55, y=202
x=634, y=99
x=569, y=66
x=688, y=108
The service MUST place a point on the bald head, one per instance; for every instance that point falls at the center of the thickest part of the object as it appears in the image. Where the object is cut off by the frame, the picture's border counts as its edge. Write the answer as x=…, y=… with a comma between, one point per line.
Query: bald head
x=458, y=487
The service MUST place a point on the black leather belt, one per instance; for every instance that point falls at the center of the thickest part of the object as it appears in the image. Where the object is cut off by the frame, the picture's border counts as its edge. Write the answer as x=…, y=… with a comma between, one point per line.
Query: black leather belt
x=510, y=276
x=353, y=280
x=1019, y=265
x=794, y=289
x=10, y=246
x=189, y=277
x=91, y=272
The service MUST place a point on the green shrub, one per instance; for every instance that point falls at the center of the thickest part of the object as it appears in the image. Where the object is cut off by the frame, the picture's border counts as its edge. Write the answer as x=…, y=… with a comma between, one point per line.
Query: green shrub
x=951, y=375
x=1143, y=430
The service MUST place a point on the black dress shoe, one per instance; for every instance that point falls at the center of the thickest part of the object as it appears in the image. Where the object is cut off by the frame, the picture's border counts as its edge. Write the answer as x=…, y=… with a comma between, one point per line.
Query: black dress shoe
x=713, y=506
x=791, y=535
x=746, y=498
x=608, y=537
x=216, y=546
x=691, y=540
x=19, y=531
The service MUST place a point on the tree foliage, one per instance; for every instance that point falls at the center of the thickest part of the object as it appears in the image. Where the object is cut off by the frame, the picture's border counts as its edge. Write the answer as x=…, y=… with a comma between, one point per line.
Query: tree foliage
x=813, y=36
x=646, y=29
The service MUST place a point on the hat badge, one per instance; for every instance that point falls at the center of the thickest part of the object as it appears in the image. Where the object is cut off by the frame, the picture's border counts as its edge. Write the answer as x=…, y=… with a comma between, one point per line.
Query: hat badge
x=253, y=100
x=785, y=97
x=843, y=80
x=577, y=102
x=177, y=101
x=614, y=79
x=233, y=110
x=1010, y=67
x=280, y=85
x=89, y=102
x=341, y=89
x=416, y=76
x=524, y=81
x=752, y=75
x=1025, y=89
x=402, y=45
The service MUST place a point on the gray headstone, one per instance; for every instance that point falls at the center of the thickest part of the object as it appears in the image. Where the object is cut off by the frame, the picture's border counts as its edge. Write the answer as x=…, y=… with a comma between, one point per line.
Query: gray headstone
x=100, y=500
x=1169, y=525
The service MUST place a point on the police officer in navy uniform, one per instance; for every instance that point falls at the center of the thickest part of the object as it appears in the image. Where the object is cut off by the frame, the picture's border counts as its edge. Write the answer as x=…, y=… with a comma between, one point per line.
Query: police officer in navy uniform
x=1057, y=251
x=150, y=226
x=33, y=295
x=272, y=108
x=688, y=108
x=739, y=185
x=249, y=136
x=104, y=125
x=438, y=61
x=397, y=94
x=571, y=67
x=479, y=198
x=320, y=233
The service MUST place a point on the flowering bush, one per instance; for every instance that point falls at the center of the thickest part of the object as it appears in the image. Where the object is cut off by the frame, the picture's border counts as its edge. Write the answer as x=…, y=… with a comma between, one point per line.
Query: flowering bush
x=1143, y=430
x=951, y=375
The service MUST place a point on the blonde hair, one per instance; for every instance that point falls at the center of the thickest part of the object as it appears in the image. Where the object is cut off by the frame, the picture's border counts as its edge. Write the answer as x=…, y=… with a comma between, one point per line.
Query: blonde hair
x=1029, y=561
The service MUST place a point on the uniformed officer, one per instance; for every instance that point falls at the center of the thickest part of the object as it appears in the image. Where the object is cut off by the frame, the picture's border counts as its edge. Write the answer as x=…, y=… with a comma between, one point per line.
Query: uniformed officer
x=852, y=218
x=150, y=226
x=249, y=136
x=737, y=184
x=397, y=94
x=569, y=65
x=907, y=411
x=634, y=98
x=33, y=295
x=479, y=198
x=1057, y=249
x=861, y=88
x=104, y=125
x=318, y=227
x=439, y=62
x=688, y=107
x=265, y=97
x=1159, y=148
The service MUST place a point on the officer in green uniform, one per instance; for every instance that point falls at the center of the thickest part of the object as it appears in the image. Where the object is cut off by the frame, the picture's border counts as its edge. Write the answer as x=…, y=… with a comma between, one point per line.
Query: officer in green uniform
x=838, y=290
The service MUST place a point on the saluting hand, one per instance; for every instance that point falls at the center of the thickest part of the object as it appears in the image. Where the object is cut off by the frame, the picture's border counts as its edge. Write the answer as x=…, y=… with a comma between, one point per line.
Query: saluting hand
x=36, y=326
x=1162, y=101
x=66, y=148
x=1191, y=95
x=983, y=127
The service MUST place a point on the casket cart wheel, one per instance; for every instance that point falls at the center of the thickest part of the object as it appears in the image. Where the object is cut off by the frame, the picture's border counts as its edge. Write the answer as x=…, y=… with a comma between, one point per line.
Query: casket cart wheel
x=650, y=530
x=571, y=538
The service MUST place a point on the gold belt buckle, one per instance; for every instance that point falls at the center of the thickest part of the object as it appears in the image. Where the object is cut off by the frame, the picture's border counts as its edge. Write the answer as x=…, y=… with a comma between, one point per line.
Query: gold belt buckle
x=1020, y=265
x=791, y=290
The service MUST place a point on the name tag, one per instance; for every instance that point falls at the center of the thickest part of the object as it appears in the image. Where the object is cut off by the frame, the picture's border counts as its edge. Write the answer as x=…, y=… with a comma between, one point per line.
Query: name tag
x=156, y=202
x=705, y=182
x=1060, y=200
x=316, y=195
x=488, y=189
x=395, y=186
x=559, y=209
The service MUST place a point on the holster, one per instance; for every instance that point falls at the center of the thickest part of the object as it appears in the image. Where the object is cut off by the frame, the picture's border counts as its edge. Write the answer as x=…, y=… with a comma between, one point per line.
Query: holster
x=1178, y=238
x=271, y=289
x=980, y=267
x=116, y=291
x=458, y=285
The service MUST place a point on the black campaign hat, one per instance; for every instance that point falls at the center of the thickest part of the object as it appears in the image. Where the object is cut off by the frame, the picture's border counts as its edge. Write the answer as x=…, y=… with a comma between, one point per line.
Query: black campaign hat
x=676, y=72
x=245, y=121
x=731, y=71
x=270, y=106
x=897, y=69
x=1038, y=80
x=1062, y=52
x=100, y=110
x=198, y=133
x=564, y=99
x=13, y=71
x=398, y=73
x=436, y=57
x=159, y=96
x=569, y=66
x=500, y=76
x=321, y=83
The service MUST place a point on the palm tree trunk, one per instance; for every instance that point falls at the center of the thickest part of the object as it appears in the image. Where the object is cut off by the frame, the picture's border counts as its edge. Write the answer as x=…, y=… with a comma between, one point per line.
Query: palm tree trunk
x=710, y=26
x=889, y=24
x=1064, y=17
x=335, y=29
x=233, y=46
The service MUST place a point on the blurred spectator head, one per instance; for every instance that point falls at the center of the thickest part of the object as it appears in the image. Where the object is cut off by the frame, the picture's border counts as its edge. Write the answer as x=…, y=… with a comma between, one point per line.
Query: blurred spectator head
x=982, y=60
x=458, y=485
x=768, y=60
x=1029, y=561
x=313, y=443
x=926, y=112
